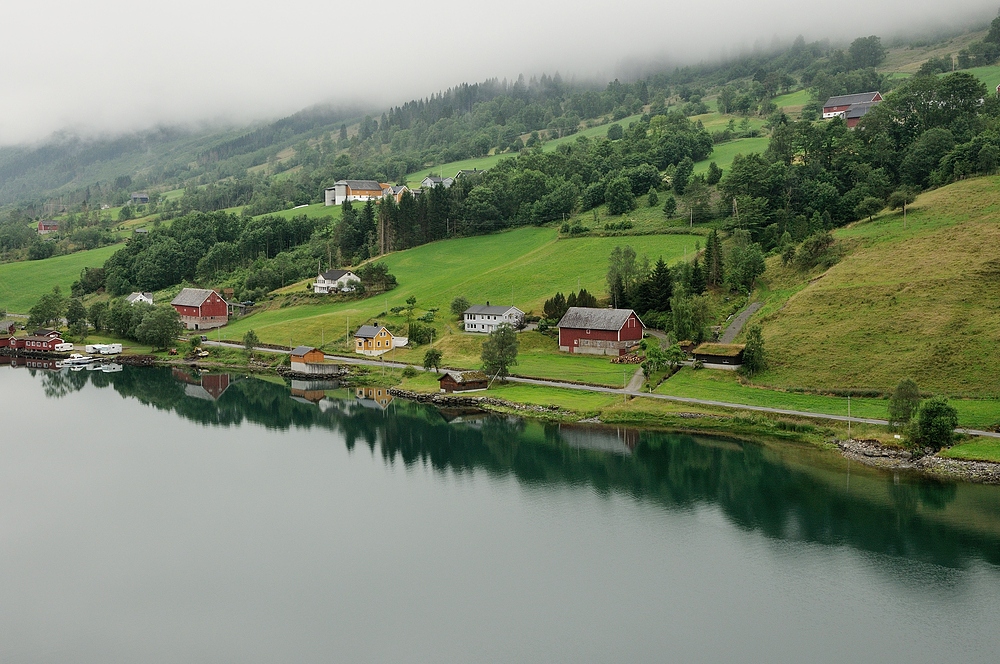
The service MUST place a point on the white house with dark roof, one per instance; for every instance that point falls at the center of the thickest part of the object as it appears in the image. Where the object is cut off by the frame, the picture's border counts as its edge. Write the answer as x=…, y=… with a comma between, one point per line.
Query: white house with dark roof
x=432, y=181
x=484, y=318
x=354, y=190
x=140, y=297
x=334, y=281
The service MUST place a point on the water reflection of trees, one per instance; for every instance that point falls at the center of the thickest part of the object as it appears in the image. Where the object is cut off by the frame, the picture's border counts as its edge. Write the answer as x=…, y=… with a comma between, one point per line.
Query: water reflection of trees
x=756, y=491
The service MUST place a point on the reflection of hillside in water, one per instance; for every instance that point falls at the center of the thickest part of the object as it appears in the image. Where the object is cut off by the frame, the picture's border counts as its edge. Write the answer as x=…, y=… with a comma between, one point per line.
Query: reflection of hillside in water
x=759, y=489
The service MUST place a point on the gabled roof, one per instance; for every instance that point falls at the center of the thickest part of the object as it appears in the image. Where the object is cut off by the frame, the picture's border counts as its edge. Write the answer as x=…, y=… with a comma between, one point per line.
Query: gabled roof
x=192, y=297
x=585, y=318
x=45, y=332
x=490, y=310
x=847, y=100
x=370, y=185
x=464, y=376
x=333, y=275
x=398, y=189
x=719, y=350
x=135, y=296
x=301, y=351
x=859, y=110
x=369, y=331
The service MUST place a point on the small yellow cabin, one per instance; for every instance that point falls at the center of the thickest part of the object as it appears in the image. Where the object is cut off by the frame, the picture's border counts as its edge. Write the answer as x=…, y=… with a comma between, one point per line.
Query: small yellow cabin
x=375, y=340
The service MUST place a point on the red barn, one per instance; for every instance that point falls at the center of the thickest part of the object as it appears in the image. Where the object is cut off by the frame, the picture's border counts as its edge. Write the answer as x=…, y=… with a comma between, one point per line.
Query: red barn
x=599, y=331
x=201, y=308
x=35, y=342
x=838, y=106
x=48, y=226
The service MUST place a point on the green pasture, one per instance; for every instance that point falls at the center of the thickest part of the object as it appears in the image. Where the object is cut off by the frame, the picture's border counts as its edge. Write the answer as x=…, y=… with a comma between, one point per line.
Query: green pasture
x=22, y=283
x=724, y=153
x=795, y=99
x=523, y=266
x=724, y=386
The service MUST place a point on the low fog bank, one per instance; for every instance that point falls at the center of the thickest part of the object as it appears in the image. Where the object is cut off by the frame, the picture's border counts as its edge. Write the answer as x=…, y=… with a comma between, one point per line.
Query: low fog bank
x=115, y=67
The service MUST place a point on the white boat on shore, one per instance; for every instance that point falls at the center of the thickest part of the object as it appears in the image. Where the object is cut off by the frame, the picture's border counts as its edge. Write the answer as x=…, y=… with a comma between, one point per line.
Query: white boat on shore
x=77, y=360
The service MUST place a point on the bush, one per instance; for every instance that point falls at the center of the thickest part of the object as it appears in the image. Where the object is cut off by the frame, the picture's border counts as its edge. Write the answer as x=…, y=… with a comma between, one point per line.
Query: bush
x=460, y=304
x=936, y=424
x=420, y=333
x=409, y=372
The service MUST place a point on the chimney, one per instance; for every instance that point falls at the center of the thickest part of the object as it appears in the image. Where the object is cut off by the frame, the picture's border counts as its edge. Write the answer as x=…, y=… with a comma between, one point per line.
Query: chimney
x=487, y=303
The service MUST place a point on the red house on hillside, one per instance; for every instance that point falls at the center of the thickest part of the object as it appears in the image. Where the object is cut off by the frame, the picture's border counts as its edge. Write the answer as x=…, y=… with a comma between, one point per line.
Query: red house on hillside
x=840, y=105
x=599, y=331
x=201, y=308
x=48, y=226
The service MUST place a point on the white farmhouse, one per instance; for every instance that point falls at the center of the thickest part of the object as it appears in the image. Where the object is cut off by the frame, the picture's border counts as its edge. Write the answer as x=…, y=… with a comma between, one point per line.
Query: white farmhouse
x=354, y=190
x=432, y=181
x=484, y=318
x=333, y=281
x=140, y=297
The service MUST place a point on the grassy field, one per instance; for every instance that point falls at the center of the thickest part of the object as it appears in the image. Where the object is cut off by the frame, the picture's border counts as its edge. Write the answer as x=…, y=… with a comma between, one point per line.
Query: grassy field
x=314, y=211
x=793, y=102
x=725, y=386
x=988, y=75
x=22, y=283
x=977, y=449
x=527, y=265
x=724, y=153
x=921, y=301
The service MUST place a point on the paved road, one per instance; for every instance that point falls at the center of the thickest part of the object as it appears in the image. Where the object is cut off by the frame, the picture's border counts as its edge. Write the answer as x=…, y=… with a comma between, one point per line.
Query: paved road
x=734, y=328
x=628, y=391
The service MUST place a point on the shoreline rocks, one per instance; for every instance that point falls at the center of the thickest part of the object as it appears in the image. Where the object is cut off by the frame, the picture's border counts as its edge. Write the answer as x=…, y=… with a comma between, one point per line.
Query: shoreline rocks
x=445, y=400
x=873, y=453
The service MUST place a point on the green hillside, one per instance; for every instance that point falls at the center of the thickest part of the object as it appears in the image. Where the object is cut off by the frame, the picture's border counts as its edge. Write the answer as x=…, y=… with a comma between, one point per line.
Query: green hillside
x=21, y=284
x=527, y=265
x=921, y=301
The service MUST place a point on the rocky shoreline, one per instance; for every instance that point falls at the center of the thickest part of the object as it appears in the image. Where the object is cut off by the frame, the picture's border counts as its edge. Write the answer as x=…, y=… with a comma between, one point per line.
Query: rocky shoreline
x=452, y=401
x=873, y=453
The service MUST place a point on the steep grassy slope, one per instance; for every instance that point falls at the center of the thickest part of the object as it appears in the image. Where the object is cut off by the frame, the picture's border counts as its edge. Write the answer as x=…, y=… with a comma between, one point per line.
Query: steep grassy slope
x=21, y=284
x=920, y=301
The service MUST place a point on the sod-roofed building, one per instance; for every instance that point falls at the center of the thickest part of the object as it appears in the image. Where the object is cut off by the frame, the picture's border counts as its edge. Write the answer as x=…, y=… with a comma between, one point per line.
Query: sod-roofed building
x=730, y=354
x=463, y=381
x=595, y=331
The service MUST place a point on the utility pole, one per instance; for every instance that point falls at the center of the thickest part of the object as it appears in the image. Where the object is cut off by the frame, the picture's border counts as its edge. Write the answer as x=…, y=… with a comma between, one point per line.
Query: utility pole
x=848, y=416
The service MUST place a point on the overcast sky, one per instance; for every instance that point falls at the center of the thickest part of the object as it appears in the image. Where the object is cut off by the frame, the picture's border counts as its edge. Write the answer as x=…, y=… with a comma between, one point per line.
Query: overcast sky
x=111, y=65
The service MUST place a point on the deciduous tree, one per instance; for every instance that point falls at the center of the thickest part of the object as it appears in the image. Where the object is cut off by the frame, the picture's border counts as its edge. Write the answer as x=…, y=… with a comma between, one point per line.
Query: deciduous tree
x=500, y=351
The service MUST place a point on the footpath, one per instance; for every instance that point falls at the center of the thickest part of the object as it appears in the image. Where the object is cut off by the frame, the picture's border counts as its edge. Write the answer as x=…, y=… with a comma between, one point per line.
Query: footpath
x=628, y=391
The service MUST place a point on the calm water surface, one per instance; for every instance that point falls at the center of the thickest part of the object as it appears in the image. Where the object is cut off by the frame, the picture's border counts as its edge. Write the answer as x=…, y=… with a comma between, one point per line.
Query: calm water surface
x=156, y=516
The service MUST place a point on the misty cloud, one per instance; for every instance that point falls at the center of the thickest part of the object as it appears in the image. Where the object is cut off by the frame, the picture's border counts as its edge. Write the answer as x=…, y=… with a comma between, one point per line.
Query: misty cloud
x=110, y=65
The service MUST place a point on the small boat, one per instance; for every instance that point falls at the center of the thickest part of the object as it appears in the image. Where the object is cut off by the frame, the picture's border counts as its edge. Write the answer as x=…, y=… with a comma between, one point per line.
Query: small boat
x=76, y=359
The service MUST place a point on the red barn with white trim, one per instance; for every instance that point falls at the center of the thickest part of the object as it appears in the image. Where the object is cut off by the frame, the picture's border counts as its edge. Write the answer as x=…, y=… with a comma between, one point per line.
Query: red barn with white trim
x=201, y=308
x=599, y=331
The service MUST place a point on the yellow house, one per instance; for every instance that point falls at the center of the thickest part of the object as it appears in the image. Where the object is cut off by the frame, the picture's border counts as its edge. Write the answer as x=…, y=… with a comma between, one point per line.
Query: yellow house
x=375, y=340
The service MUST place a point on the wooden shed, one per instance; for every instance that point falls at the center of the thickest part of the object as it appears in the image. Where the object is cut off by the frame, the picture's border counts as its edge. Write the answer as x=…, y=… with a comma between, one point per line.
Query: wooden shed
x=309, y=360
x=463, y=381
x=710, y=353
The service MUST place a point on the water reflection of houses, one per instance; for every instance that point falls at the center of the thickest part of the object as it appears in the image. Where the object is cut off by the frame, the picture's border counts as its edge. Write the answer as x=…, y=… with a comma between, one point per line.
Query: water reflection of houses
x=30, y=363
x=204, y=386
x=312, y=391
x=616, y=441
x=373, y=397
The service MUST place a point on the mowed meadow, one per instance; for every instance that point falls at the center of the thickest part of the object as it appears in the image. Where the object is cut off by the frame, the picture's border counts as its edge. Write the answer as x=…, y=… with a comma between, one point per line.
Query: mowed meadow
x=920, y=301
x=22, y=283
x=525, y=266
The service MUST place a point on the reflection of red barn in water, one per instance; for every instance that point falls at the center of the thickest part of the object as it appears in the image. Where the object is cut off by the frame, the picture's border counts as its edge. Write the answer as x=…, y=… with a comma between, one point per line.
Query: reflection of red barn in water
x=29, y=363
x=206, y=386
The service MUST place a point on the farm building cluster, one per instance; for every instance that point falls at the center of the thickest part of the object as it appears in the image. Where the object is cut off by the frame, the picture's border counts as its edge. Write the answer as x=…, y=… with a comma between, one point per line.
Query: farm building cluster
x=851, y=108
x=361, y=191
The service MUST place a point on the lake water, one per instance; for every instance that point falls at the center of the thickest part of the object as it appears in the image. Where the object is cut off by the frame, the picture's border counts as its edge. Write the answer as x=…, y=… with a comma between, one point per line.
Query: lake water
x=151, y=515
